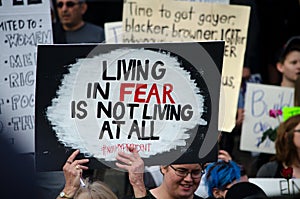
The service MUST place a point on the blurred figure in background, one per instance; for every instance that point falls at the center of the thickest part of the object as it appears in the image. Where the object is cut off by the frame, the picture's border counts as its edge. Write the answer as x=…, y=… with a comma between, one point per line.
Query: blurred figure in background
x=71, y=28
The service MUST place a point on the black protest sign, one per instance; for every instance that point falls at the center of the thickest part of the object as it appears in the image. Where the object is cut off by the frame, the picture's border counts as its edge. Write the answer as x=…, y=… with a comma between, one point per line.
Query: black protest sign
x=161, y=99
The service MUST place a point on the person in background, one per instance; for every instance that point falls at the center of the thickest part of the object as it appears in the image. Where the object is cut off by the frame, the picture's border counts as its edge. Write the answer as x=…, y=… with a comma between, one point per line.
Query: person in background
x=289, y=66
x=71, y=28
x=94, y=190
x=220, y=176
x=287, y=145
x=68, y=28
x=223, y=172
x=279, y=22
x=251, y=73
x=77, y=188
x=289, y=63
x=179, y=181
x=229, y=169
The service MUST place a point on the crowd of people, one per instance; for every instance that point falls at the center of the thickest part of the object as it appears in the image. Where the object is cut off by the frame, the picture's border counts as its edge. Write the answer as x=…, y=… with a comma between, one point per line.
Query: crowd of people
x=225, y=178
x=210, y=180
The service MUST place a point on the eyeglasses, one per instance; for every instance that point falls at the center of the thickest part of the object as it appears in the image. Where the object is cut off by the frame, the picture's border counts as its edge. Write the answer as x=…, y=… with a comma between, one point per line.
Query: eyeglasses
x=184, y=172
x=69, y=4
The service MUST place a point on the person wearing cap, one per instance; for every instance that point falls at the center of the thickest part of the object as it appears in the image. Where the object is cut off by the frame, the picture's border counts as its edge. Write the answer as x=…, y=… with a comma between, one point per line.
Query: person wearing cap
x=179, y=180
x=71, y=27
x=289, y=64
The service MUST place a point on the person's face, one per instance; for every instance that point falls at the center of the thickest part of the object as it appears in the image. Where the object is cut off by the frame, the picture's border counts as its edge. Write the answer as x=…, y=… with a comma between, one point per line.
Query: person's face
x=70, y=12
x=179, y=186
x=296, y=138
x=290, y=69
x=222, y=193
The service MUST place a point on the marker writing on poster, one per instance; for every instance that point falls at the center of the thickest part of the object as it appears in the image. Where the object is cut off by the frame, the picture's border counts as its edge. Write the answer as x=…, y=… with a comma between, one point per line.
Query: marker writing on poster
x=163, y=105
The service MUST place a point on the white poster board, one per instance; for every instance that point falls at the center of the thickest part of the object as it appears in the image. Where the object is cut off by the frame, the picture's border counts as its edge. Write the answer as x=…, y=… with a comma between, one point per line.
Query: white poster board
x=24, y=24
x=180, y=21
x=277, y=186
x=113, y=32
x=259, y=99
x=209, y=1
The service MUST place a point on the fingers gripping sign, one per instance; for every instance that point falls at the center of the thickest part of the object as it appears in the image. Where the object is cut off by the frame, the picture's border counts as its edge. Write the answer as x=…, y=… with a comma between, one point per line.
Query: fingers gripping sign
x=134, y=164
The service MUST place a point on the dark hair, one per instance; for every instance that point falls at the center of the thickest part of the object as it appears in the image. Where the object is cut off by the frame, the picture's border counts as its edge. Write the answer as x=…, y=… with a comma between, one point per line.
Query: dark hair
x=285, y=148
x=245, y=190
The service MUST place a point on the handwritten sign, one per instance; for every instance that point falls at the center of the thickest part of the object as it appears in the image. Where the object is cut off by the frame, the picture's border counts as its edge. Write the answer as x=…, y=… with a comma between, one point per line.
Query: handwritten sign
x=113, y=32
x=277, y=186
x=23, y=25
x=209, y=1
x=259, y=99
x=176, y=21
x=156, y=97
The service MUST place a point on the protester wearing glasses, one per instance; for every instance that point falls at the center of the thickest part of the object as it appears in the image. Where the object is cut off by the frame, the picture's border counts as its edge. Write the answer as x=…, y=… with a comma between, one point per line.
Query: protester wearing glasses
x=287, y=145
x=179, y=181
x=71, y=28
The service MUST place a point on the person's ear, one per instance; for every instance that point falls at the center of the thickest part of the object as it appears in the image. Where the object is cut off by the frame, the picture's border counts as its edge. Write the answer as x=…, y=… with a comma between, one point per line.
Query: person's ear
x=217, y=193
x=84, y=7
x=279, y=67
x=163, y=169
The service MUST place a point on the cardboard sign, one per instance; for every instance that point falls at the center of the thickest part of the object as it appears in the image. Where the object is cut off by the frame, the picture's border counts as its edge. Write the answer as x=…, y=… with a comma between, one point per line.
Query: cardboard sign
x=23, y=24
x=277, y=186
x=174, y=21
x=209, y=1
x=259, y=99
x=113, y=32
x=160, y=98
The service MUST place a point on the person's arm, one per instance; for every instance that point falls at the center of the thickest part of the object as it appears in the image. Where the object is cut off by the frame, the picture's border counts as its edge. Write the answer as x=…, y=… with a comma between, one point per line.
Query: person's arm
x=72, y=172
x=135, y=167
